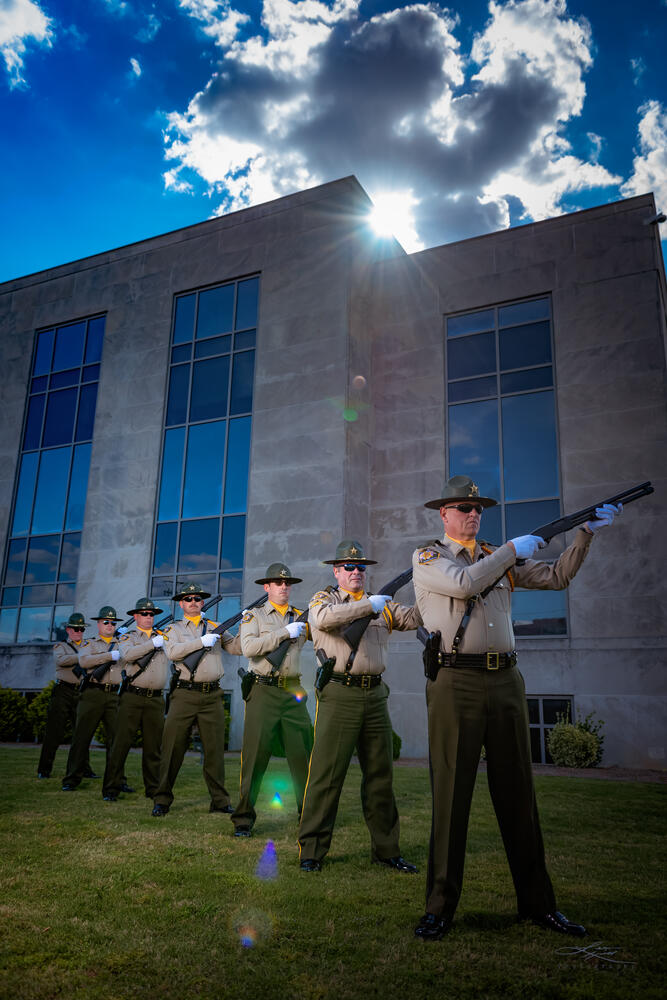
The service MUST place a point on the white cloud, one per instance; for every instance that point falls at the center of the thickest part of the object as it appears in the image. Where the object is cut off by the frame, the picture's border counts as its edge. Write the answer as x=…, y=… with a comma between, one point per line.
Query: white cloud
x=149, y=30
x=650, y=163
x=21, y=22
x=638, y=69
x=322, y=92
x=136, y=67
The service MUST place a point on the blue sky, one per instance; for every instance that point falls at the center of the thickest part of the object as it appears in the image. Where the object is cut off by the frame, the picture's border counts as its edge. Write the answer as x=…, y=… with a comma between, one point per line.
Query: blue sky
x=123, y=119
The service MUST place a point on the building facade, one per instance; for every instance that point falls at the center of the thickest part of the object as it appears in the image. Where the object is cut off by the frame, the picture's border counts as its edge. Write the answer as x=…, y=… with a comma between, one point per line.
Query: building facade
x=256, y=387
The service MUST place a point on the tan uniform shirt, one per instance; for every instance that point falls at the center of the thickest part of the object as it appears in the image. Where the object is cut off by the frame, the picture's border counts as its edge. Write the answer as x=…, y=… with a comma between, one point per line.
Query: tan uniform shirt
x=330, y=611
x=262, y=630
x=184, y=637
x=95, y=652
x=66, y=656
x=134, y=645
x=445, y=576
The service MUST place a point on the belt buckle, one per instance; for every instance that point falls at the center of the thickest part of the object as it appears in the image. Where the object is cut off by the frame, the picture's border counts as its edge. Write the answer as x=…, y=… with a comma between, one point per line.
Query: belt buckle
x=282, y=681
x=490, y=658
x=206, y=687
x=365, y=681
x=149, y=692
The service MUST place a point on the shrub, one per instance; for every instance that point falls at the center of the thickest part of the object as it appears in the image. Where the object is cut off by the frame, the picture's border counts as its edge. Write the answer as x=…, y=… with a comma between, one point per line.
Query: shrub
x=397, y=742
x=572, y=746
x=37, y=712
x=589, y=726
x=12, y=715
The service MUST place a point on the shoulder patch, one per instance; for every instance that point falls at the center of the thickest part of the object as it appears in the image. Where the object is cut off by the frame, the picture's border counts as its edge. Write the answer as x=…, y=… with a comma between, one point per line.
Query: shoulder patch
x=427, y=555
x=166, y=631
x=319, y=597
x=248, y=617
x=124, y=638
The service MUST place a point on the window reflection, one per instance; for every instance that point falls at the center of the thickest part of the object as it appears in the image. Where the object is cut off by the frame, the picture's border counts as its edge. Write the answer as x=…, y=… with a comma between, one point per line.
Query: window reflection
x=51, y=490
x=78, y=487
x=534, y=378
x=523, y=312
x=246, y=307
x=172, y=472
x=202, y=490
x=198, y=546
x=530, y=455
x=473, y=444
x=43, y=352
x=33, y=424
x=471, y=355
x=38, y=595
x=177, y=399
x=15, y=560
x=210, y=386
x=242, y=380
x=94, y=340
x=42, y=562
x=86, y=417
x=25, y=493
x=475, y=322
x=69, y=346
x=216, y=311
x=62, y=379
x=521, y=346
x=35, y=625
x=539, y=612
x=165, y=548
x=8, y=619
x=233, y=542
x=69, y=559
x=238, y=460
x=184, y=319
x=472, y=388
x=60, y=412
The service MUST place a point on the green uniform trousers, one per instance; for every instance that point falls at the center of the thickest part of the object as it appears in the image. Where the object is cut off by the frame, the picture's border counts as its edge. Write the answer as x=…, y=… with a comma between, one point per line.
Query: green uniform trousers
x=208, y=711
x=349, y=717
x=61, y=716
x=468, y=709
x=273, y=713
x=95, y=705
x=136, y=712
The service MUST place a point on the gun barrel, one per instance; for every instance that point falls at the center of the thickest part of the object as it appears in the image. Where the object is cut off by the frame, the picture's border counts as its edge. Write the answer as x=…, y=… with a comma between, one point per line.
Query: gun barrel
x=562, y=524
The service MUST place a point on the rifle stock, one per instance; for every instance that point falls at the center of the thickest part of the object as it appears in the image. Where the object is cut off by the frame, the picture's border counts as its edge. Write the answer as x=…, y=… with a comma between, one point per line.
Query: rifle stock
x=277, y=656
x=354, y=632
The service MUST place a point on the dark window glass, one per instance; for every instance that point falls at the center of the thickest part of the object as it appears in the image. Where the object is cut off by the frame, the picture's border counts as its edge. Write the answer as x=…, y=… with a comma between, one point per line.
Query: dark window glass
x=198, y=546
x=472, y=388
x=533, y=711
x=177, y=405
x=15, y=560
x=91, y=373
x=539, y=612
x=60, y=412
x=69, y=559
x=233, y=542
x=473, y=444
x=521, y=346
x=246, y=305
x=530, y=455
x=214, y=345
x=8, y=619
x=536, y=746
x=492, y=529
x=242, y=379
x=216, y=311
x=548, y=759
x=534, y=378
x=69, y=346
x=523, y=518
x=184, y=321
x=238, y=458
x=25, y=493
x=94, y=341
x=39, y=384
x=43, y=352
x=42, y=562
x=552, y=708
x=33, y=424
x=181, y=353
x=230, y=583
x=165, y=548
x=245, y=339
x=35, y=625
x=172, y=473
x=162, y=587
x=65, y=593
x=523, y=312
x=471, y=356
x=38, y=595
x=202, y=491
x=210, y=386
x=475, y=322
x=76, y=502
x=51, y=491
x=86, y=417
x=62, y=379
x=11, y=595
x=227, y=607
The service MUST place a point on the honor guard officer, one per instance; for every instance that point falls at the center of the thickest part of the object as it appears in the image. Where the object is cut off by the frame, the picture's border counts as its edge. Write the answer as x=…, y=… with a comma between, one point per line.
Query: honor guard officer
x=64, y=696
x=352, y=713
x=478, y=697
x=141, y=704
x=275, y=708
x=99, y=700
x=199, y=701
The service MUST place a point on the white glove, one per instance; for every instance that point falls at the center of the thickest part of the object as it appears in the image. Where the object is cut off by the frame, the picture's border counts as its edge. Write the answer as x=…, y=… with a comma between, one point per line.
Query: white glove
x=378, y=602
x=296, y=629
x=158, y=641
x=209, y=639
x=121, y=630
x=526, y=546
x=115, y=655
x=604, y=516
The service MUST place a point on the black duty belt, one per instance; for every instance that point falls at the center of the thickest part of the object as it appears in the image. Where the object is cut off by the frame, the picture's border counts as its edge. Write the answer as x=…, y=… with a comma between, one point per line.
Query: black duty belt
x=291, y=681
x=67, y=684
x=204, y=687
x=144, y=692
x=481, y=661
x=357, y=680
x=103, y=687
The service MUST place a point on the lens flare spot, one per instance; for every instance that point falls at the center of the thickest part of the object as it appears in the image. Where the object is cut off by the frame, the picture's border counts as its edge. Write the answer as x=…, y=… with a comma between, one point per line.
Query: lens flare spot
x=247, y=936
x=276, y=802
x=251, y=927
x=299, y=696
x=267, y=866
x=359, y=382
x=350, y=414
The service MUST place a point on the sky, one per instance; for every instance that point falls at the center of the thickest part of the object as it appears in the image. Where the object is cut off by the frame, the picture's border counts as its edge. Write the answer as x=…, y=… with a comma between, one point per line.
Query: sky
x=124, y=119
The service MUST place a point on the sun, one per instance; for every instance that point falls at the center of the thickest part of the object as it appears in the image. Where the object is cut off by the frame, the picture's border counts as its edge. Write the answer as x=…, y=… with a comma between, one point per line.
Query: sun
x=393, y=215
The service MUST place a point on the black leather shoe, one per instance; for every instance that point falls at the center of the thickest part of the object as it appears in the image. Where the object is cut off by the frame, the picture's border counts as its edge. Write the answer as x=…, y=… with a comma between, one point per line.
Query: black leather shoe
x=221, y=809
x=398, y=864
x=69, y=788
x=90, y=774
x=432, y=928
x=126, y=789
x=242, y=831
x=110, y=798
x=310, y=865
x=557, y=922
x=159, y=810
x=43, y=776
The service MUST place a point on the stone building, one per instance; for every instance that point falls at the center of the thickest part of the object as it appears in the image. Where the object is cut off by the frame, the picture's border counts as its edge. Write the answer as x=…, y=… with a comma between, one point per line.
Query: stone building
x=260, y=385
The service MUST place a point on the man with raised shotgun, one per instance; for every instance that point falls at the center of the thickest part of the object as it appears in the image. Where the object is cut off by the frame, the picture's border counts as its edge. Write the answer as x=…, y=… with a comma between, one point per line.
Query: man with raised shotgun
x=275, y=706
x=141, y=702
x=476, y=697
x=197, y=698
x=352, y=714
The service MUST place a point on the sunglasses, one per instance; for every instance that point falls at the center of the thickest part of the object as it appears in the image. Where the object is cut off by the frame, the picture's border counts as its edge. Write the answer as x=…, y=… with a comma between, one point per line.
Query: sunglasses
x=350, y=567
x=109, y=621
x=146, y=614
x=466, y=508
x=193, y=600
x=75, y=628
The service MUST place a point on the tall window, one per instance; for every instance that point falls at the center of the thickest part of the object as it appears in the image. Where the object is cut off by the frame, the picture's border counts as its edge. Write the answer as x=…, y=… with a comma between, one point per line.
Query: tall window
x=543, y=714
x=200, y=529
x=42, y=558
x=502, y=432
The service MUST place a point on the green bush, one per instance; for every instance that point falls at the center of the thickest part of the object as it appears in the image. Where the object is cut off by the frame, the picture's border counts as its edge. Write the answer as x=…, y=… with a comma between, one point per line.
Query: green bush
x=572, y=746
x=397, y=743
x=12, y=715
x=588, y=725
x=37, y=711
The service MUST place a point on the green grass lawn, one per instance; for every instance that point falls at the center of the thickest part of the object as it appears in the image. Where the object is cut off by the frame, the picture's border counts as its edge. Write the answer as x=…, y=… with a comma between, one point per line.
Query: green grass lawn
x=101, y=900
